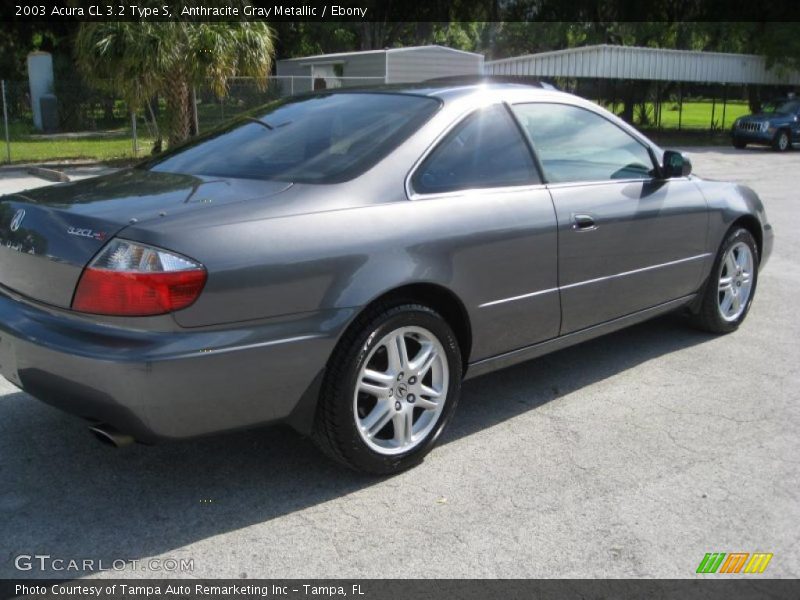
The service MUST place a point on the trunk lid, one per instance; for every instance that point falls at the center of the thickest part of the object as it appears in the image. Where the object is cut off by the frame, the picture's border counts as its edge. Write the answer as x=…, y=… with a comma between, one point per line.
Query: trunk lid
x=48, y=235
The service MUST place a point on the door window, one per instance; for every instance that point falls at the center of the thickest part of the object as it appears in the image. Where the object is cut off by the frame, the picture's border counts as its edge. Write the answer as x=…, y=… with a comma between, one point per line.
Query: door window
x=485, y=150
x=575, y=144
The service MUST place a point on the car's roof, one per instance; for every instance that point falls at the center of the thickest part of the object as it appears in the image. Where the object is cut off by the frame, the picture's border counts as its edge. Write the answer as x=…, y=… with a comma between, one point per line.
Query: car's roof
x=446, y=89
x=454, y=89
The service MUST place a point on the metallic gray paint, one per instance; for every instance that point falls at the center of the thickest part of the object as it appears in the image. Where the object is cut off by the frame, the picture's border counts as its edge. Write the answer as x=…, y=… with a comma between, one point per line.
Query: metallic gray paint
x=105, y=205
x=155, y=384
x=290, y=267
x=638, y=224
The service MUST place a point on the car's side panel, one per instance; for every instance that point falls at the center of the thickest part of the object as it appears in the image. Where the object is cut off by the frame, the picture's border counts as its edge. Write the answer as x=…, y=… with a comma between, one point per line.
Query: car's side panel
x=514, y=357
x=648, y=247
x=489, y=248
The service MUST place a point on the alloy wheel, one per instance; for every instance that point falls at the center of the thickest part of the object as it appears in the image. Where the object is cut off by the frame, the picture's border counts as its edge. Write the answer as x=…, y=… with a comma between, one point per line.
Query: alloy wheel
x=735, y=281
x=401, y=390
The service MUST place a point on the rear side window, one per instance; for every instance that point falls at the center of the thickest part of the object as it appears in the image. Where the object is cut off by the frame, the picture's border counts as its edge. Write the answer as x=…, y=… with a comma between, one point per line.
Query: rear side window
x=324, y=138
x=485, y=150
x=575, y=144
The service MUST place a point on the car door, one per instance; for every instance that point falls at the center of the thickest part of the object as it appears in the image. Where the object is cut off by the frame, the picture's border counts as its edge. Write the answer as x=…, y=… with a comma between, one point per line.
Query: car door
x=627, y=239
x=481, y=183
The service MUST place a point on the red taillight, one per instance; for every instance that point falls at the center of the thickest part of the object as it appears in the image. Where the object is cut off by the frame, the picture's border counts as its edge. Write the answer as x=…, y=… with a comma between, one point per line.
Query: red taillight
x=106, y=292
x=132, y=279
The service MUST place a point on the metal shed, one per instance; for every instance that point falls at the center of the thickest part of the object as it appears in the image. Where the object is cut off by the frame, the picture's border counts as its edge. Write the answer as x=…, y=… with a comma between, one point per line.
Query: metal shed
x=372, y=67
x=651, y=64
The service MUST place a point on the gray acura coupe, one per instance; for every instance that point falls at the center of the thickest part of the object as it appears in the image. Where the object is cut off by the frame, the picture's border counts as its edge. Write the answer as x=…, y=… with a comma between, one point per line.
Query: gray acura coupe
x=341, y=261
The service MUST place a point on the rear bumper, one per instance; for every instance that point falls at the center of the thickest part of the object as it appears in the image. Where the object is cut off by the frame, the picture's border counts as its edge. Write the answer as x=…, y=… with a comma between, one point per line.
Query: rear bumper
x=162, y=385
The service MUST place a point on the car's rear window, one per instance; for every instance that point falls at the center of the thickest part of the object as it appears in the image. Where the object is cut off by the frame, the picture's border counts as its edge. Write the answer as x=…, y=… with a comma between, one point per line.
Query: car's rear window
x=316, y=139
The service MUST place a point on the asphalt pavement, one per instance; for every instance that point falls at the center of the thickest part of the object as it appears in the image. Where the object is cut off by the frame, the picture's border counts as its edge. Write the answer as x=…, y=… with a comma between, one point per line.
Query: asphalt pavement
x=631, y=455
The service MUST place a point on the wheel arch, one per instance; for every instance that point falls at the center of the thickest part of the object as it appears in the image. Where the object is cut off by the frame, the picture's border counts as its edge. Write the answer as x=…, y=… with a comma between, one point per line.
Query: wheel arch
x=752, y=225
x=444, y=301
x=437, y=297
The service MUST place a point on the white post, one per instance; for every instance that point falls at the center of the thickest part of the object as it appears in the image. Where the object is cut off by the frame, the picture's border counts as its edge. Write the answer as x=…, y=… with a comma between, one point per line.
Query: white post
x=194, y=111
x=5, y=124
x=40, y=79
x=133, y=131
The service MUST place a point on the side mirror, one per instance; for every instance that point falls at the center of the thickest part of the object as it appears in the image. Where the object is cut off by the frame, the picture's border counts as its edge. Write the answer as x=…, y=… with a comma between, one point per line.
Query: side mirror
x=676, y=164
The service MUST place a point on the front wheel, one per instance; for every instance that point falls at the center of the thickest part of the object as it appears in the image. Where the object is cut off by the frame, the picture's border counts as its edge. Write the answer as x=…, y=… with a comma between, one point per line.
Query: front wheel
x=732, y=284
x=390, y=388
x=739, y=144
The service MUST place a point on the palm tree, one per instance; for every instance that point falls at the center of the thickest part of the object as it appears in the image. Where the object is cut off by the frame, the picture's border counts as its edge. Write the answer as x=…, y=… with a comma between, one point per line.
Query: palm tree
x=139, y=60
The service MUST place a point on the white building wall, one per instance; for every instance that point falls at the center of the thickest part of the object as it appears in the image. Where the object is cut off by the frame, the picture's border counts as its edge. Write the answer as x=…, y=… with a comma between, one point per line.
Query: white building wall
x=430, y=62
x=286, y=68
x=365, y=65
x=358, y=69
x=404, y=65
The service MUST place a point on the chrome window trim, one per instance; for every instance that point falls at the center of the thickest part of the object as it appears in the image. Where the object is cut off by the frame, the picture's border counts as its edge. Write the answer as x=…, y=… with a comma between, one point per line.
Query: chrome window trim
x=476, y=191
x=564, y=184
x=595, y=280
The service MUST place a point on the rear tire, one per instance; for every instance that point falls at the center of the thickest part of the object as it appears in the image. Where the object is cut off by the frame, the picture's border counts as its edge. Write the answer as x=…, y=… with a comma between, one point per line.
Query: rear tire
x=390, y=389
x=731, y=287
x=782, y=143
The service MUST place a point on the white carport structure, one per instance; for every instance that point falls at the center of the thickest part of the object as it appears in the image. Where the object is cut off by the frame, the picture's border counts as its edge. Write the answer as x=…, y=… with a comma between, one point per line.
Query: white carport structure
x=632, y=63
x=651, y=64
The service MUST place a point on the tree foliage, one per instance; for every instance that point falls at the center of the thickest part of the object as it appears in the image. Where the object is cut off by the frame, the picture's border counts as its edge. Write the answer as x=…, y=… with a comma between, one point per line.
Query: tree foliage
x=141, y=60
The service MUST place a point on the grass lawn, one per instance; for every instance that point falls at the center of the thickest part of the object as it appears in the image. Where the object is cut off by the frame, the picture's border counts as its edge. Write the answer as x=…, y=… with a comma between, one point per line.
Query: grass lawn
x=30, y=150
x=697, y=114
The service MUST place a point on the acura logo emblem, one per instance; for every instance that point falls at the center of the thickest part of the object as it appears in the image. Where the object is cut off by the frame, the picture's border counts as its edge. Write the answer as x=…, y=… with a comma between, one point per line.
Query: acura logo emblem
x=17, y=220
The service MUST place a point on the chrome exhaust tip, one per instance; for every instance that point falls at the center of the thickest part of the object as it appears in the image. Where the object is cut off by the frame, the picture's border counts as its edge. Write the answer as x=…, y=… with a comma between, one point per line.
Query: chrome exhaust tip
x=109, y=436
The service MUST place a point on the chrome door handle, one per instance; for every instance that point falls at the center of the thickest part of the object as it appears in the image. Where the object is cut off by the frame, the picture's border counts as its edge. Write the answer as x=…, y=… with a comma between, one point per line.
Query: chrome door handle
x=583, y=223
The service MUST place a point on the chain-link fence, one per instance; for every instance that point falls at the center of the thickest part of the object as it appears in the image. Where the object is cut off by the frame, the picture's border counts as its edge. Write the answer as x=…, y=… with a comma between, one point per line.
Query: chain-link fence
x=79, y=121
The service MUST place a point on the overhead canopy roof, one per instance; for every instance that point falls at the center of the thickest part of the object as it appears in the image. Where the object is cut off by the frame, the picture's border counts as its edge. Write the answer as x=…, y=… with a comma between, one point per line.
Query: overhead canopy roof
x=341, y=56
x=653, y=64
